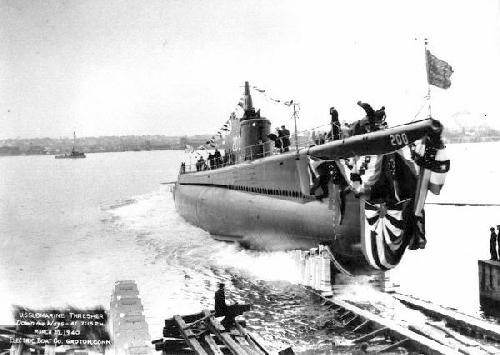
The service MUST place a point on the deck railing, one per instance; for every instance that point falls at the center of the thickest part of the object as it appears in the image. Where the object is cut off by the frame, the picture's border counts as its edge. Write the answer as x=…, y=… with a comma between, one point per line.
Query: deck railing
x=314, y=136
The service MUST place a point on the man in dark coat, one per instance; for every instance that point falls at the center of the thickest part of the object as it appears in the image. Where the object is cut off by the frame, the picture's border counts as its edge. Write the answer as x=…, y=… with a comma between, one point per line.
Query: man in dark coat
x=276, y=138
x=498, y=240
x=321, y=180
x=211, y=161
x=370, y=112
x=220, y=301
x=335, y=133
x=493, y=244
x=375, y=118
x=285, y=134
x=217, y=158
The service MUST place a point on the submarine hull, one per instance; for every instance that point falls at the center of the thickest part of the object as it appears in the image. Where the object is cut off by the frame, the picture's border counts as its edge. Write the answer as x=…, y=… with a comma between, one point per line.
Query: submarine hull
x=270, y=223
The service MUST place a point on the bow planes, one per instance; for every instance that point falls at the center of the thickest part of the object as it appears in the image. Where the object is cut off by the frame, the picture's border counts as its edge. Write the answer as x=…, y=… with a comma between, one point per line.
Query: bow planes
x=362, y=195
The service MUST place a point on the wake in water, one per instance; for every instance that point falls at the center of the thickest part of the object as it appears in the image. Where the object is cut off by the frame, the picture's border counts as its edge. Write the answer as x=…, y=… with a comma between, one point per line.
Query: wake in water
x=185, y=264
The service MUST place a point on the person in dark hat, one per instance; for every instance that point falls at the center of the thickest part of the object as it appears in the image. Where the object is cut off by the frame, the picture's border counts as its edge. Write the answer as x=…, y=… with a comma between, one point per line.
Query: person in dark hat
x=285, y=138
x=220, y=301
x=498, y=241
x=335, y=132
x=375, y=118
x=370, y=112
x=493, y=243
x=321, y=180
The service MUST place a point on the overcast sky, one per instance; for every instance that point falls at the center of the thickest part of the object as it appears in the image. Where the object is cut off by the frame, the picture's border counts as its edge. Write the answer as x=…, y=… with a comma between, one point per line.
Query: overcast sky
x=119, y=67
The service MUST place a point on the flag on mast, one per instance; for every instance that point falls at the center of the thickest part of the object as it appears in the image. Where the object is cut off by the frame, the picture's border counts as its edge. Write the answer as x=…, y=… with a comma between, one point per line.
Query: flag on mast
x=438, y=71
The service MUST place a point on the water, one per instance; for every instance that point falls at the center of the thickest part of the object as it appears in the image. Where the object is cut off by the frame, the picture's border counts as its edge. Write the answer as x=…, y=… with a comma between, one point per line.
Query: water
x=70, y=228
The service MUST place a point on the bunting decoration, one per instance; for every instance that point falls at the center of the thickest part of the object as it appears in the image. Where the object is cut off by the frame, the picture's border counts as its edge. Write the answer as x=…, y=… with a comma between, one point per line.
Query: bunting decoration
x=272, y=99
x=435, y=160
x=361, y=172
x=383, y=236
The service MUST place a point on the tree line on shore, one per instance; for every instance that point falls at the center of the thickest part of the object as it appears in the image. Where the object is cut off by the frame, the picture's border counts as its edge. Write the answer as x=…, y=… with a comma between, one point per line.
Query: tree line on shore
x=26, y=146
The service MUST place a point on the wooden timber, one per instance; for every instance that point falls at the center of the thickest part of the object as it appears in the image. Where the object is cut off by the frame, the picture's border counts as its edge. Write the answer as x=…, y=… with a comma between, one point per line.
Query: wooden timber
x=453, y=318
x=205, y=335
x=382, y=326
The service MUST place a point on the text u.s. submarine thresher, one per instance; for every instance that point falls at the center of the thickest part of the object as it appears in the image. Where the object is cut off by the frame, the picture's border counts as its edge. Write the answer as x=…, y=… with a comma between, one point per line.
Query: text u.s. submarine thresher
x=374, y=208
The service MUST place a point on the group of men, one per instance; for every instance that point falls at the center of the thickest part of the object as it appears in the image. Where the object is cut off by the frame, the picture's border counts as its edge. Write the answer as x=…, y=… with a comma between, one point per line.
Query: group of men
x=281, y=139
x=494, y=240
x=215, y=161
x=373, y=121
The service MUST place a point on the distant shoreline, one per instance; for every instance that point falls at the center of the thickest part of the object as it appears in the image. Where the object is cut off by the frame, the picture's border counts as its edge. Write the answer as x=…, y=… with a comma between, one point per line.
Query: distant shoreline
x=86, y=152
x=108, y=144
x=104, y=144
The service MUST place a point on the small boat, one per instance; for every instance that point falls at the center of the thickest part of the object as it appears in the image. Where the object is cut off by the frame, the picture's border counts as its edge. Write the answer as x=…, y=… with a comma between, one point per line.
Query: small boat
x=74, y=154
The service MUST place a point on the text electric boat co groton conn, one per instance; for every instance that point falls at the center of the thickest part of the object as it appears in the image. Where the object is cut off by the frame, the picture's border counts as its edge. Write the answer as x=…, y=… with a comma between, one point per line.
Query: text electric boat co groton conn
x=373, y=209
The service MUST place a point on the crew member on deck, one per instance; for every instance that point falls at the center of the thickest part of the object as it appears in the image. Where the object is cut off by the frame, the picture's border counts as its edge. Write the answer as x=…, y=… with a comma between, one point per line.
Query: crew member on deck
x=278, y=143
x=375, y=118
x=370, y=112
x=380, y=117
x=322, y=138
x=200, y=164
x=321, y=180
x=217, y=158
x=285, y=134
x=335, y=132
x=211, y=161
x=493, y=244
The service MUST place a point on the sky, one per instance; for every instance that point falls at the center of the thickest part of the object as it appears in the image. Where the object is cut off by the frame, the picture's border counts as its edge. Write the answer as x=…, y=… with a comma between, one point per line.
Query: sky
x=176, y=67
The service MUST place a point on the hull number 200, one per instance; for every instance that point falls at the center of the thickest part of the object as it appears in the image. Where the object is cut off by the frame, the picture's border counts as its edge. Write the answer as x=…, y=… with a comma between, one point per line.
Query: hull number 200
x=399, y=139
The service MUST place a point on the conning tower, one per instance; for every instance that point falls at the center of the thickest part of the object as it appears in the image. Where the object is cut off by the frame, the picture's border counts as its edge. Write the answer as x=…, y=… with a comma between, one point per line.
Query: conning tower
x=254, y=130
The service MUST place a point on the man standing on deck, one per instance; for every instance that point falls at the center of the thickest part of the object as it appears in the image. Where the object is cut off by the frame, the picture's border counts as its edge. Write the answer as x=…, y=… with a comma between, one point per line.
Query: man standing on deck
x=335, y=133
x=375, y=118
x=285, y=134
x=493, y=244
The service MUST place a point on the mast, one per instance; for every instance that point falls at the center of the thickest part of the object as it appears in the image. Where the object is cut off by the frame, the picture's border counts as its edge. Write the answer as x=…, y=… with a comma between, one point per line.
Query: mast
x=428, y=76
x=295, y=116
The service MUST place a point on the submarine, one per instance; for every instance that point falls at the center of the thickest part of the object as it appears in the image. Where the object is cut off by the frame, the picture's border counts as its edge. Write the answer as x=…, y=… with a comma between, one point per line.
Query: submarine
x=370, y=209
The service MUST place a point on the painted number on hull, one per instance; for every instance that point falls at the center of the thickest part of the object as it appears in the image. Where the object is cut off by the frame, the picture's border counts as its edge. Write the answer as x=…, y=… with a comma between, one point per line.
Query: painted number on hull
x=399, y=139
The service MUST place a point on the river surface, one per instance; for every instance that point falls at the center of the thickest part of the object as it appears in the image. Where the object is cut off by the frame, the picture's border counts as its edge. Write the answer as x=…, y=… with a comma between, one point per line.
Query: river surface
x=70, y=228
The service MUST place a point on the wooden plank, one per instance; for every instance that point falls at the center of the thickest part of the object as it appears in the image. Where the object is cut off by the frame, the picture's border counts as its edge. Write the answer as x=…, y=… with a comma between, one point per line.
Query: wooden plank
x=259, y=342
x=345, y=315
x=219, y=331
x=361, y=326
x=233, y=347
x=371, y=335
x=351, y=320
x=213, y=346
x=196, y=322
x=189, y=337
x=455, y=318
x=246, y=346
x=419, y=342
x=393, y=346
x=251, y=340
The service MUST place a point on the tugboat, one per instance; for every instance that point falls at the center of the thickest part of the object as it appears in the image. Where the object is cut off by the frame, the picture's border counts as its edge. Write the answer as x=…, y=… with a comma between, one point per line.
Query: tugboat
x=373, y=189
x=74, y=154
